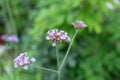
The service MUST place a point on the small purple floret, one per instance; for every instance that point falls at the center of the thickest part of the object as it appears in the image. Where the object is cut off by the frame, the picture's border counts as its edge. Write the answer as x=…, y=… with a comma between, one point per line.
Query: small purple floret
x=79, y=24
x=12, y=38
x=23, y=61
x=56, y=35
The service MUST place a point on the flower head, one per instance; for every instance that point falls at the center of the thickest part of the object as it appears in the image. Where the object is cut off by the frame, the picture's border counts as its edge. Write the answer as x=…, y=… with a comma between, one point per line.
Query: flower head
x=23, y=61
x=79, y=24
x=56, y=35
x=12, y=38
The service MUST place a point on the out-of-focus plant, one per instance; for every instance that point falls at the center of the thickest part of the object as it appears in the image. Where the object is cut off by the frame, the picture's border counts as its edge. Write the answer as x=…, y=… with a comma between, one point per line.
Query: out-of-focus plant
x=54, y=13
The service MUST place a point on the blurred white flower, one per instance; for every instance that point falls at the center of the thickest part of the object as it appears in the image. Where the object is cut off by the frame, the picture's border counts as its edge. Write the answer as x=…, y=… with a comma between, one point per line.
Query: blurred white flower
x=117, y=2
x=2, y=49
x=109, y=6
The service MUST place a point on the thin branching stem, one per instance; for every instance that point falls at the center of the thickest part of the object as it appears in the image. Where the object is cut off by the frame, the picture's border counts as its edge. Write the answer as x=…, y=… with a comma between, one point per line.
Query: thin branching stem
x=10, y=14
x=58, y=63
x=68, y=50
x=47, y=69
x=5, y=17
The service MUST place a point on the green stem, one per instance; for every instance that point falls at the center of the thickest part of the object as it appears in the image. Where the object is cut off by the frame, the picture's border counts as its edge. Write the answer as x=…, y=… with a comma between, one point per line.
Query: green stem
x=68, y=50
x=12, y=21
x=57, y=55
x=58, y=75
x=45, y=68
x=8, y=31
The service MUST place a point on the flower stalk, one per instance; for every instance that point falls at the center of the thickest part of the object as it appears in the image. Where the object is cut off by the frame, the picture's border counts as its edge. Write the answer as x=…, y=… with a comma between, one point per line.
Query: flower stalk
x=63, y=62
x=58, y=63
x=56, y=36
x=47, y=69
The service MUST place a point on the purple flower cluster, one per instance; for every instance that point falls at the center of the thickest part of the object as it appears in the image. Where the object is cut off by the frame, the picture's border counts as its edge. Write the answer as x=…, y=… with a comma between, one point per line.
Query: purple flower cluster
x=12, y=38
x=79, y=25
x=23, y=60
x=56, y=35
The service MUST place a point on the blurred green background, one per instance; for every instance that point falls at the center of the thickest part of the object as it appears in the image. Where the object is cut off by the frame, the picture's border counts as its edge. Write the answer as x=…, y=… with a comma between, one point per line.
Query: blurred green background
x=95, y=54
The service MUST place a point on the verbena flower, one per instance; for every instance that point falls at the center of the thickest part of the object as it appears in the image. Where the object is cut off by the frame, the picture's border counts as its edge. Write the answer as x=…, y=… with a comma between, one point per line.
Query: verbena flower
x=23, y=61
x=12, y=38
x=56, y=35
x=79, y=25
